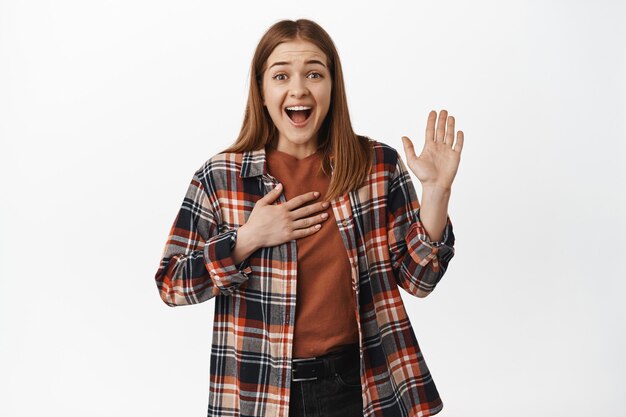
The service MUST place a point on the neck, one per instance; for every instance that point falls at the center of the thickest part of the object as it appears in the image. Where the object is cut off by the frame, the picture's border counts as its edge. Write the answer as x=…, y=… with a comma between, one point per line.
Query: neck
x=299, y=151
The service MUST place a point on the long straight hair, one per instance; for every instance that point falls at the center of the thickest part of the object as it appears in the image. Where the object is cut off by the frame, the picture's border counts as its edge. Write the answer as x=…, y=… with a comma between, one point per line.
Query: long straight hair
x=346, y=155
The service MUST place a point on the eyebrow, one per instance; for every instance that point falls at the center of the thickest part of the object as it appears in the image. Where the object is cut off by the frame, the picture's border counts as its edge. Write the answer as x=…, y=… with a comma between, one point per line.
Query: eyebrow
x=310, y=61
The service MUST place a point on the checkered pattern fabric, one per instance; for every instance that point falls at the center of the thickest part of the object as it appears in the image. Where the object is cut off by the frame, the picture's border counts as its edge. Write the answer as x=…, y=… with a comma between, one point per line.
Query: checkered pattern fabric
x=255, y=300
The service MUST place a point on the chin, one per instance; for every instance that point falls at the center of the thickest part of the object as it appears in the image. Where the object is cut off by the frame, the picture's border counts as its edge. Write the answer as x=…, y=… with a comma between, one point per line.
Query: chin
x=299, y=138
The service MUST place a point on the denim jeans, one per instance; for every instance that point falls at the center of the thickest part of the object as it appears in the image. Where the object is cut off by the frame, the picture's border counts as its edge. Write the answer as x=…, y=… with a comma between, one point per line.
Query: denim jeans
x=336, y=396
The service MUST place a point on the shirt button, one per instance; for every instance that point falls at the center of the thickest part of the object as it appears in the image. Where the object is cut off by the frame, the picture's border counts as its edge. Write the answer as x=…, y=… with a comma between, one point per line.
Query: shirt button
x=345, y=222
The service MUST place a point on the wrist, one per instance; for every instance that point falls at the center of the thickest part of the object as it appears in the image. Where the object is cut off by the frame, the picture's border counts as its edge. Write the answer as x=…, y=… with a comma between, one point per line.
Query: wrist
x=436, y=189
x=244, y=245
x=248, y=238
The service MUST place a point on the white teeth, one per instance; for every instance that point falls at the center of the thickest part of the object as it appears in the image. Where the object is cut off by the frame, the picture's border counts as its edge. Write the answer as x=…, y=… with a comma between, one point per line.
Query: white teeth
x=296, y=108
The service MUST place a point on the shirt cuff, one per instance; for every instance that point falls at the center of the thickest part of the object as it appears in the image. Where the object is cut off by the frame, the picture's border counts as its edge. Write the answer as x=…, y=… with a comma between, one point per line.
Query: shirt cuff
x=422, y=249
x=225, y=273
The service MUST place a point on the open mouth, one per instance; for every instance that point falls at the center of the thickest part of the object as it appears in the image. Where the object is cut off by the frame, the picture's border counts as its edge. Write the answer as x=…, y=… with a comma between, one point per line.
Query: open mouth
x=300, y=115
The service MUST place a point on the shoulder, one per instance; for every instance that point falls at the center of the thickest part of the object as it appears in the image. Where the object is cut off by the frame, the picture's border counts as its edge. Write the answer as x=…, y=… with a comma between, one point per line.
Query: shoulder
x=385, y=157
x=216, y=172
x=219, y=165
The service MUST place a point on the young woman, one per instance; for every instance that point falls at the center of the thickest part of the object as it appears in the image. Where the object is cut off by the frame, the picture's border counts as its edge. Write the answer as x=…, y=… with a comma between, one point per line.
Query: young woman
x=303, y=231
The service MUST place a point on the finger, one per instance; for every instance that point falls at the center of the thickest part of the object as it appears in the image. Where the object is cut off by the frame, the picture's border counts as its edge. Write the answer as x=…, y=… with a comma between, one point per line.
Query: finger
x=301, y=199
x=300, y=233
x=310, y=209
x=450, y=132
x=458, y=146
x=270, y=197
x=309, y=221
x=441, y=126
x=409, y=149
x=430, y=126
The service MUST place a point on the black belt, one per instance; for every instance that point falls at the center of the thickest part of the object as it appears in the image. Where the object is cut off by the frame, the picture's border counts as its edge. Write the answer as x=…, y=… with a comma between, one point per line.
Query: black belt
x=310, y=369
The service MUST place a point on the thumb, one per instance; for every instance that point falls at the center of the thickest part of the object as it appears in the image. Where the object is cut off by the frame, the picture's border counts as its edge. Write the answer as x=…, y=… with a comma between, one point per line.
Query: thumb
x=270, y=197
x=409, y=150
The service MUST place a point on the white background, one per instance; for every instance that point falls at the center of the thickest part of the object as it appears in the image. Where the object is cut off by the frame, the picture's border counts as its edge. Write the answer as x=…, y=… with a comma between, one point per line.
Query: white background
x=107, y=108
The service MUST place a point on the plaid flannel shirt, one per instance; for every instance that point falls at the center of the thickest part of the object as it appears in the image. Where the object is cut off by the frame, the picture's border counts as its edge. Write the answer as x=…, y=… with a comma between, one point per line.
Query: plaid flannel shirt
x=255, y=300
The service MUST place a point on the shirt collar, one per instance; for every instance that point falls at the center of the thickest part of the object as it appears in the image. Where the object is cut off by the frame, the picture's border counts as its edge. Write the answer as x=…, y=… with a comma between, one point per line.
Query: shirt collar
x=253, y=163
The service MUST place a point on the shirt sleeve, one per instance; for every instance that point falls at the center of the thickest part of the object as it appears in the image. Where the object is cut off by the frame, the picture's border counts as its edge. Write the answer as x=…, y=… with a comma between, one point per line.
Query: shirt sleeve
x=418, y=262
x=197, y=261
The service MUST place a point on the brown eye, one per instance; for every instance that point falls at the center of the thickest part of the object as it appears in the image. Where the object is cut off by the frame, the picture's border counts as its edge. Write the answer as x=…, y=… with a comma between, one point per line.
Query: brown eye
x=277, y=77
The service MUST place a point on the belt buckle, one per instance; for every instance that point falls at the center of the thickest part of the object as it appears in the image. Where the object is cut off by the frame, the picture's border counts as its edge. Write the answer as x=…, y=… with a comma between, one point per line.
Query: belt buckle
x=297, y=360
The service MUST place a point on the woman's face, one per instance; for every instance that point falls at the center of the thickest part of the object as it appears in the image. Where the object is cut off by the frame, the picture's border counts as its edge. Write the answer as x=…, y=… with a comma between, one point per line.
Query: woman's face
x=296, y=91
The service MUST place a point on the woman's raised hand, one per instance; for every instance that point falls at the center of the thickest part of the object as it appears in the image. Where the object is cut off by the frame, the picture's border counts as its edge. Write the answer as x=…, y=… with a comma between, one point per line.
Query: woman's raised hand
x=270, y=224
x=439, y=161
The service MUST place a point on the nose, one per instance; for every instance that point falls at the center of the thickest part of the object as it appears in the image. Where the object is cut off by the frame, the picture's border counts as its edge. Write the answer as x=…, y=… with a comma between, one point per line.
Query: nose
x=298, y=87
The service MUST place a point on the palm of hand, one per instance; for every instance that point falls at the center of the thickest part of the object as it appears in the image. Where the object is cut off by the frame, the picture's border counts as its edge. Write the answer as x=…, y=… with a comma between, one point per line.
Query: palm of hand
x=438, y=162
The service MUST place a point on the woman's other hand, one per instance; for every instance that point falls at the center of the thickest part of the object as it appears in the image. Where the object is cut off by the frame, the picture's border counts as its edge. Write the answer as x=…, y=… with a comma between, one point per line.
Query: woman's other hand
x=272, y=224
x=439, y=161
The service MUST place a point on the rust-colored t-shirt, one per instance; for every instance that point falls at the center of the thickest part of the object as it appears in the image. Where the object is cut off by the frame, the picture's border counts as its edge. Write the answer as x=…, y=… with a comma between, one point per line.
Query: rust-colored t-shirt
x=325, y=305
